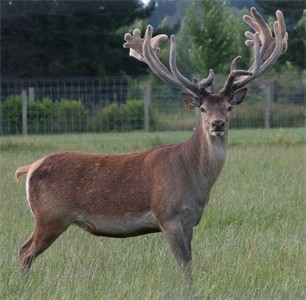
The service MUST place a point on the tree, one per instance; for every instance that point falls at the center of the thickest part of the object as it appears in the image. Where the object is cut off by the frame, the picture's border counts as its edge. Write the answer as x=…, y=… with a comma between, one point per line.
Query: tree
x=292, y=9
x=67, y=38
x=216, y=36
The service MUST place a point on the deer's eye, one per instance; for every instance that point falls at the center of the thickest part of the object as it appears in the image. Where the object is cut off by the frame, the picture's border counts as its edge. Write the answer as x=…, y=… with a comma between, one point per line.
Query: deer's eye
x=202, y=109
x=230, y=108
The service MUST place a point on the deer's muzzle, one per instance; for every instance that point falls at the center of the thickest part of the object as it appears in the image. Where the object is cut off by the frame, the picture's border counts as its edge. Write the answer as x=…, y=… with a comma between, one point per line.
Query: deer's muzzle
x=217, y=128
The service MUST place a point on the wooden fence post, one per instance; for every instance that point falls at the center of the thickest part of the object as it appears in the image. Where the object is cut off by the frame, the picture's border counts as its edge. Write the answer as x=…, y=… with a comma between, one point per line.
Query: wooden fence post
x=146, y=105
x=24, y=112
x=1, y=119
x=31, y=94
x=268, y=102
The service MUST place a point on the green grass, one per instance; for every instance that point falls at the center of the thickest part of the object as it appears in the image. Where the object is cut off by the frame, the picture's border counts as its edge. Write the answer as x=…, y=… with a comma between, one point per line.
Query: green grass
x=250, y=244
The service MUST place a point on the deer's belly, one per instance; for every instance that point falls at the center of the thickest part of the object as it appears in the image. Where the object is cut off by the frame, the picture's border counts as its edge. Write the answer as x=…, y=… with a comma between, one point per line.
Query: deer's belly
x=118, y=227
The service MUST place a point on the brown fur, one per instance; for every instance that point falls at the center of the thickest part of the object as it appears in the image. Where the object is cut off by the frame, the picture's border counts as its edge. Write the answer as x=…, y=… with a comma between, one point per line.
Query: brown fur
x=161, y=189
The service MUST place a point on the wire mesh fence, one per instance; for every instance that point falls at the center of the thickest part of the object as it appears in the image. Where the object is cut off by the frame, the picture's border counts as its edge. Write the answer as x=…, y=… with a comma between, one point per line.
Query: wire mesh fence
x=43, y=106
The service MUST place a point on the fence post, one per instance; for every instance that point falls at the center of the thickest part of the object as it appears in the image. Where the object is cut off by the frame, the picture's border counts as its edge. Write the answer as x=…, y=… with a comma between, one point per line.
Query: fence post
x=31, y=94
x=24, y=112
x=146, y=105
x=268, y=102
x=1, y=118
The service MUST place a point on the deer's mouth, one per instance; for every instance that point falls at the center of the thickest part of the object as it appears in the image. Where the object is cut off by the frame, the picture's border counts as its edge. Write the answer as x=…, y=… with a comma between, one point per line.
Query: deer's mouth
x=217, y=132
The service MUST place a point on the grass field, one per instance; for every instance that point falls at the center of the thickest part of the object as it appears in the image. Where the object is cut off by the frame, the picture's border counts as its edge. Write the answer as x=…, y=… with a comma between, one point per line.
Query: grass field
x=250, y=244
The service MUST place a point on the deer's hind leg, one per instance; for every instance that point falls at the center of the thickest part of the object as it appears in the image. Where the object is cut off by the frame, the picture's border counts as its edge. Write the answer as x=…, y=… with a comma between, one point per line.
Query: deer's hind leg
x=44, y=234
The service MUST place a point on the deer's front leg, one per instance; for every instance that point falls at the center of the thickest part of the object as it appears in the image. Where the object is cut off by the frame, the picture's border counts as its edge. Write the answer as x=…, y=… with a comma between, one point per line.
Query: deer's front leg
x=179, y=241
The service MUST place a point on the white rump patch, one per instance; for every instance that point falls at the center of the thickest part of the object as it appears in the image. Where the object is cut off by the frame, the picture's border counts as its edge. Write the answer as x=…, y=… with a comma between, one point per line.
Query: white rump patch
x=28, y=192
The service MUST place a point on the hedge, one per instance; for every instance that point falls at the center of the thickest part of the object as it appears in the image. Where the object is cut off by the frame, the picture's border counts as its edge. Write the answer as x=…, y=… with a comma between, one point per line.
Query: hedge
x=64, y=116
x=125, y=117
x=44, y=116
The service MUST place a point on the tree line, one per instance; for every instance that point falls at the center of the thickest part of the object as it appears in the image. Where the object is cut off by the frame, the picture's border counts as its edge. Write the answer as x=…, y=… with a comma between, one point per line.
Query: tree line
x=84, y=38
x=67, y=38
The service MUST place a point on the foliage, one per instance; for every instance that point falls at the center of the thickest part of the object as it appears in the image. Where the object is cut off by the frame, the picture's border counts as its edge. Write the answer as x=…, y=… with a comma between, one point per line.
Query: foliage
x=297, y=43
x=67, y=38
x=253, y=116
x=40, y=115
x=292, y=9
x=69, y=116
x=44, y=116
x=124, y=117
x=63, y=116
x=216, y=36
x=184, y=44
x=11, y=115
x=205, y=42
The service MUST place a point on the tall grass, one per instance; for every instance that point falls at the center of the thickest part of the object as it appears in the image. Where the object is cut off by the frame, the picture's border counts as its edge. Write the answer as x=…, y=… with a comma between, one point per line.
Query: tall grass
x=250, y=244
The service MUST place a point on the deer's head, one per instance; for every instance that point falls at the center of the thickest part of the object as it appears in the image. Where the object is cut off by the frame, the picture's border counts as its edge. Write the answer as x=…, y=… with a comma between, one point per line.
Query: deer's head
x=215, y=108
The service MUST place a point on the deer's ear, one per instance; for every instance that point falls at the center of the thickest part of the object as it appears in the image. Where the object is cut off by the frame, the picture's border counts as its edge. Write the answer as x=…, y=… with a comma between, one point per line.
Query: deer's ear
x=191, y=101
x=238, y=97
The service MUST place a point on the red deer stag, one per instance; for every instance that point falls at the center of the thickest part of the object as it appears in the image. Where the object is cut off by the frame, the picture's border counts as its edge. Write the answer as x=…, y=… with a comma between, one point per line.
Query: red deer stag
x=164, y=189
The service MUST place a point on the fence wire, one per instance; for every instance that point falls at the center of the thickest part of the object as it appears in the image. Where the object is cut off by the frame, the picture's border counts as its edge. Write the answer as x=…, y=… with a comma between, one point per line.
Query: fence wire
x=43, y=106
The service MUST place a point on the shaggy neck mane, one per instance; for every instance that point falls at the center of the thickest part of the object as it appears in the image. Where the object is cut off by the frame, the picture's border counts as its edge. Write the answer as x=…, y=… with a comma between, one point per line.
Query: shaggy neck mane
x=206, y=154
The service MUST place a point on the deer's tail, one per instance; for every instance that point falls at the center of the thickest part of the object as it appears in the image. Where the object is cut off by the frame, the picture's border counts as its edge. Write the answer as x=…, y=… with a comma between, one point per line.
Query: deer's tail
x=21, y=170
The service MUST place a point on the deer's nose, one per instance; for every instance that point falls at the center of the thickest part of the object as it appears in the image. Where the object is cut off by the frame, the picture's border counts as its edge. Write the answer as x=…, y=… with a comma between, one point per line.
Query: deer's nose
x=218, y=125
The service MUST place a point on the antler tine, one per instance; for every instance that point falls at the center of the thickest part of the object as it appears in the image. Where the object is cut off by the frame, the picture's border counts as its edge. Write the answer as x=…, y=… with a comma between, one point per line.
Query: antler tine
x=192, y=86
x=155, y=64
x=146, y=49
x=271, y=48
x=230, y=85
x=134, y=42
x=267, y=50
x=206, y=82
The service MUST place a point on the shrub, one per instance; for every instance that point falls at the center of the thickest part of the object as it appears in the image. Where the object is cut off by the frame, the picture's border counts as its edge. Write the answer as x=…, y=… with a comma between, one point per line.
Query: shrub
x=134, y=110
x=40, y=114
x=124, y=117
x=47, y=116
x=44, y=116
x=253, y=116
x=110, y=118
x=68, y=116
x=11, y=115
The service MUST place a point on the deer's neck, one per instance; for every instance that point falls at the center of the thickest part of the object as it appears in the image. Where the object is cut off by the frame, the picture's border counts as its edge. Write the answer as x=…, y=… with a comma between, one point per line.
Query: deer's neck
x=206, y=155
